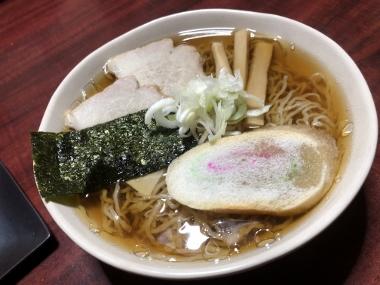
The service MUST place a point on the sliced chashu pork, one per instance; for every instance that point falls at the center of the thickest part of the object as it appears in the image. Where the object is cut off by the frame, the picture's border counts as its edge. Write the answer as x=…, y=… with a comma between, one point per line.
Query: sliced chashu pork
x=159, y=63
x=121, y=98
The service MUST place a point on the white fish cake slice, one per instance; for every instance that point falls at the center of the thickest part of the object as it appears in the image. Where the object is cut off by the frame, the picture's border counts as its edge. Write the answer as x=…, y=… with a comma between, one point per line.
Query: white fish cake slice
x=159, y=63
x=121, y=98
x=278, y=171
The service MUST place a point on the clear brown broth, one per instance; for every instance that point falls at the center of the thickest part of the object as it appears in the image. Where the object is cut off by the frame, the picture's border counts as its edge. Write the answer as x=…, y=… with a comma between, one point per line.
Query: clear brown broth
x=297, y=61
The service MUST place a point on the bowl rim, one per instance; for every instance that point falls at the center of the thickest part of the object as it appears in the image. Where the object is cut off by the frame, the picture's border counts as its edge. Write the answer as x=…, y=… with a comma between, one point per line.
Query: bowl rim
x=248, y=263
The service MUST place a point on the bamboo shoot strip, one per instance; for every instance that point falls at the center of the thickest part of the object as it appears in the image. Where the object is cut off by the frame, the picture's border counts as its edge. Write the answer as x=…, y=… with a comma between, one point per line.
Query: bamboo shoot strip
x=220, y=58
x=258, y=77
x=241, y=54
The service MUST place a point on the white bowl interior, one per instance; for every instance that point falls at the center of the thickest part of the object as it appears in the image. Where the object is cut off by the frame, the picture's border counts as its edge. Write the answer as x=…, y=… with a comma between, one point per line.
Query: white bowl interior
x=324, y=50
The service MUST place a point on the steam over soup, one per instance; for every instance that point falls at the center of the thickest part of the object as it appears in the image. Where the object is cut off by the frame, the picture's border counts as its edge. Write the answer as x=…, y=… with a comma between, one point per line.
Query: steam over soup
x=200, y=146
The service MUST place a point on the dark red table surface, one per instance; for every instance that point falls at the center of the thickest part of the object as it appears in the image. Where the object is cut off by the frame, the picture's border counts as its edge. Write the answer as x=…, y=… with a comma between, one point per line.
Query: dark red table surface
x=41, y=41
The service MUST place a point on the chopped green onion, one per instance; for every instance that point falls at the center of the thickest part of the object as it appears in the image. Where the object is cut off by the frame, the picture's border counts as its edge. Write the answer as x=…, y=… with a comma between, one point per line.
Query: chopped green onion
x=204, y=107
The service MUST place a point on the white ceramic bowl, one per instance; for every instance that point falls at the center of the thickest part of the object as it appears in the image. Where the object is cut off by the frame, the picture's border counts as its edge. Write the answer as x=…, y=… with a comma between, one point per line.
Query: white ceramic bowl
x=322, y=48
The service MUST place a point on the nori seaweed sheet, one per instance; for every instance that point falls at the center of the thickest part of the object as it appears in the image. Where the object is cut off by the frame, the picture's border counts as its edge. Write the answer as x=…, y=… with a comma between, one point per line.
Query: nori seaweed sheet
x=90, y=159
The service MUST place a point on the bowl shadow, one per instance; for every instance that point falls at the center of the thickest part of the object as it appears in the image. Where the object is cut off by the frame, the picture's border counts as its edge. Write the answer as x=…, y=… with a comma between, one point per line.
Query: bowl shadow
x=326, y=259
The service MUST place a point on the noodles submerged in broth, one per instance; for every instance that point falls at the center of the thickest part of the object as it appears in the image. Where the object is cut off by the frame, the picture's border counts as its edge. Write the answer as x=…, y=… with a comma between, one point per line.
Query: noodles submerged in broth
x=160, y=223
x=157, y=226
